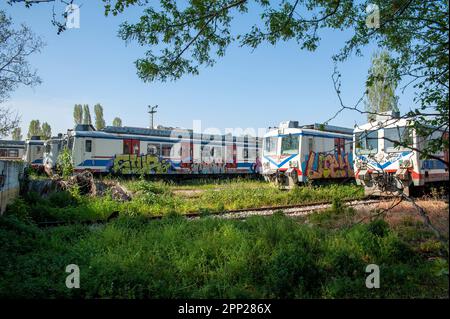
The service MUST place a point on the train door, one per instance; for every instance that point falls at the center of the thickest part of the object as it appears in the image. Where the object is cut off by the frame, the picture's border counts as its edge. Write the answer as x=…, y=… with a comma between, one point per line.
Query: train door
x=87, y=148
x=127, y=147
x=136, y=146
x=339, y=146
x=131, y=147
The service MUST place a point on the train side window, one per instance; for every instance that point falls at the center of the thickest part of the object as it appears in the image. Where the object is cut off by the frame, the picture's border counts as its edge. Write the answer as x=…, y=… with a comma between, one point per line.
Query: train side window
x=339, y=145
x=166, y=149
x=88, y=146
x=218, y=152
x=3, y=153
x=245, y=152
x=153, y=149
x=13, y=153
x=310, y=145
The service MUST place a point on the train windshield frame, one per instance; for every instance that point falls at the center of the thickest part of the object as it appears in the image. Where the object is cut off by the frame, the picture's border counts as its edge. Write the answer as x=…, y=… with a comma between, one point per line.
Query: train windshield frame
x=290, y=145
x=366, y=142
x=402, y=134
x=271, y=145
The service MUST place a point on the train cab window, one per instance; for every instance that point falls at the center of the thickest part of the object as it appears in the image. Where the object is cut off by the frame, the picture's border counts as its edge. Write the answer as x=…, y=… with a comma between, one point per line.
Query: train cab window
x=270, y=145
x=166, y=149
x=395, y=135
x=366, y=142
x=290, y=145
x=88, y=146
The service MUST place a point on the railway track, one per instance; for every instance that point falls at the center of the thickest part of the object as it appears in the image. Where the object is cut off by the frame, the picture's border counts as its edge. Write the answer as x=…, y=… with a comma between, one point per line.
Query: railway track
x=288, y=210
x=294, y=210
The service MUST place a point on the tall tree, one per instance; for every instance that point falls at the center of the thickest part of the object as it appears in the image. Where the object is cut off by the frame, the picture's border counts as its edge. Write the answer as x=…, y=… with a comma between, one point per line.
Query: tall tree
x=46, y=131
x=17, y=134
x=99, y=121
x=34, y=129
x=117, y=122
x=16, y=45
x=381, y=87
x=78, y=114
x=86, y=114
x=8, y=121
x=183, y=38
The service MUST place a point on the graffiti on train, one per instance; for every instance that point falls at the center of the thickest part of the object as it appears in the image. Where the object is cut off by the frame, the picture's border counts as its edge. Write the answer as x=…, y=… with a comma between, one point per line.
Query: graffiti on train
x=329, y=165
x=140, y=164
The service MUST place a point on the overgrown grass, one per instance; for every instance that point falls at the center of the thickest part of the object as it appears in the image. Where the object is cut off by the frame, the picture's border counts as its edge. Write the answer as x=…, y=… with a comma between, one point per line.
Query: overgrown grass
x=162, y=198
x=272, y=257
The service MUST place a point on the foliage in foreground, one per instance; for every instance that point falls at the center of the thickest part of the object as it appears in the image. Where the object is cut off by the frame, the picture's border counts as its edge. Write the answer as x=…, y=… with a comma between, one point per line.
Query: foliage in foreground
x=274, y=257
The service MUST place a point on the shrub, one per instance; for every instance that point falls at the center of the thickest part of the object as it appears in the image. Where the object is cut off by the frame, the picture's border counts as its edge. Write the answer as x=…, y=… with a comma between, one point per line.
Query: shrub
x=65, y=163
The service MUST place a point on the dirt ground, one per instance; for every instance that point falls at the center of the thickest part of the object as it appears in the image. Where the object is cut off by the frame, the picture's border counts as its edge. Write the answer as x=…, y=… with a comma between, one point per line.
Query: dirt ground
x=437, y=210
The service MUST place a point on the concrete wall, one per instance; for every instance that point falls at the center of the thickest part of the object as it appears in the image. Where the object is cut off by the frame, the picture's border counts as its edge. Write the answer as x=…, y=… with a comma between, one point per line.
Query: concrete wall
x=10, y=173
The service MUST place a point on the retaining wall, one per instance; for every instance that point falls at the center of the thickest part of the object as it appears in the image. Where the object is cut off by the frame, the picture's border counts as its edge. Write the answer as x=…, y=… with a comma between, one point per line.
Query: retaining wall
x=10, y=174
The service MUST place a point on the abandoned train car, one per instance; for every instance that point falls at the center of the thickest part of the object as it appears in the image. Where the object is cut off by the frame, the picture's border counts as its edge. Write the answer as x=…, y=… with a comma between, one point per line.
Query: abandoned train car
x=34, y=152
x=12, y=150
x=141, y=151
x=387, y=157
x=294, y=154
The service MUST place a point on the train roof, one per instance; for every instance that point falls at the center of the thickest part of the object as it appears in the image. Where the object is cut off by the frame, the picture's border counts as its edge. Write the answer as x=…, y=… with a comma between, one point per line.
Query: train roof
x=328, y=128
x=160, y=132
x=382, y=124
x=11, y=143
x=291, y=126
x=35, y=142
x=166, y=132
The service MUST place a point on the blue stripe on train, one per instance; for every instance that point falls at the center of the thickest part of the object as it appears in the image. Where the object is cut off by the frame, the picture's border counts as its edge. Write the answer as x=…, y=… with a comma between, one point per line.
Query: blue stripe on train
x=279, y=165
x=98, y=163
x=388, y=163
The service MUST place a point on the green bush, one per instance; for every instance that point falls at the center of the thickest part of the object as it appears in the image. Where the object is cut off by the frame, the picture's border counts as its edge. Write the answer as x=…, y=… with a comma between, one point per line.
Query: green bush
x=272, y=257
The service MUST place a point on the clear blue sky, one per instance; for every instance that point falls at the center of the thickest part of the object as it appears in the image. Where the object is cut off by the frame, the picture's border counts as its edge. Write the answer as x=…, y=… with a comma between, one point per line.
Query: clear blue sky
x=244, y=89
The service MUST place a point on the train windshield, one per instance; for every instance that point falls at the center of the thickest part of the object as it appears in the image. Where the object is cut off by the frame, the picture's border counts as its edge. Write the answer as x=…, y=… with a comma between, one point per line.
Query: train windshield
x=395, y=136
x=270, y=145
x=366, y=142
x=290, y=145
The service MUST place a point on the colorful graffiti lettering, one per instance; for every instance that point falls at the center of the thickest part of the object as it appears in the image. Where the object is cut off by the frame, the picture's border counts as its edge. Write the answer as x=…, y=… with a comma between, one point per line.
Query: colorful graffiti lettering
x=326, y=165
x=140, y=164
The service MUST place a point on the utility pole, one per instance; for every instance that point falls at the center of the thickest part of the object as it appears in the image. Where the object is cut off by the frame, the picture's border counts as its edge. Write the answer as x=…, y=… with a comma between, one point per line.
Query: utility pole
x=152, y=111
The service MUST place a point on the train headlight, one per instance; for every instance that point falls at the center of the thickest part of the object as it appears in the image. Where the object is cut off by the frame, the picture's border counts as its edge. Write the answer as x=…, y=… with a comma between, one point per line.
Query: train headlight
x=405, y=164
x=361, y=165
x=293, y=164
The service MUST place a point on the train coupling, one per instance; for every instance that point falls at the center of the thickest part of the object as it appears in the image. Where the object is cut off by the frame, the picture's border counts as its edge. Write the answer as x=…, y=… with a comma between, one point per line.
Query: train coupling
x=287, y=179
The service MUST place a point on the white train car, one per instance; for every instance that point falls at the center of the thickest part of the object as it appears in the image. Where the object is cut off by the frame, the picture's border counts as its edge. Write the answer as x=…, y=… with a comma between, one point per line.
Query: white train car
x=295, y=154
x=386, y=169
x=12, y=150
x=34, y=152
x=52, y=149
x=140, y=151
